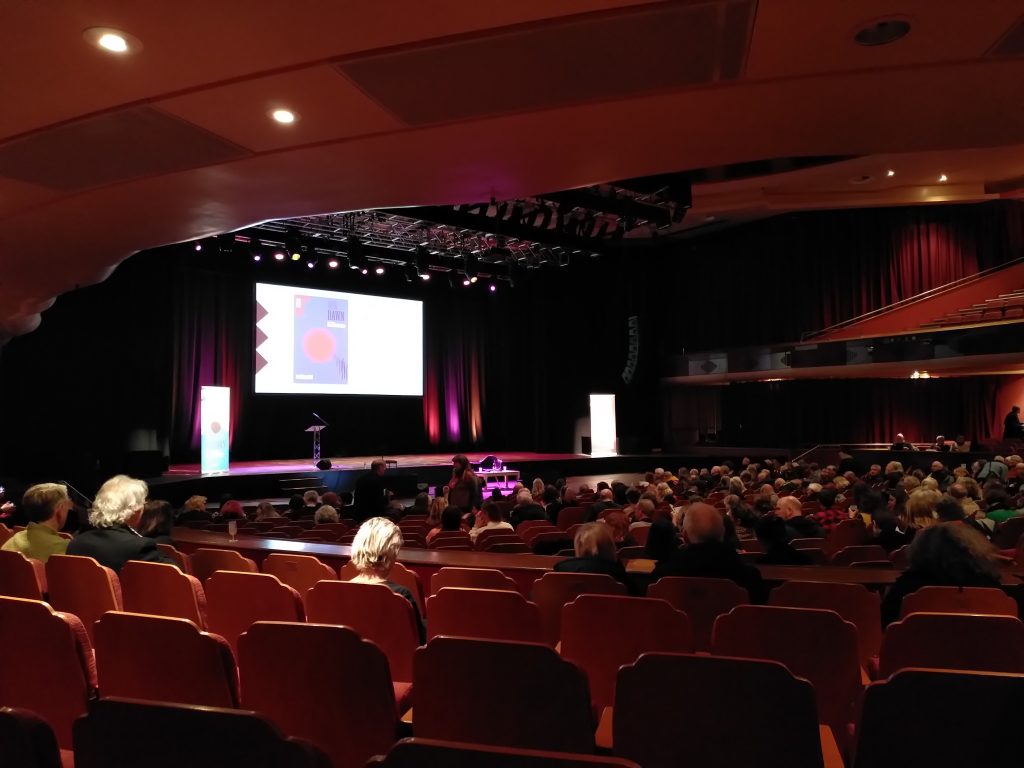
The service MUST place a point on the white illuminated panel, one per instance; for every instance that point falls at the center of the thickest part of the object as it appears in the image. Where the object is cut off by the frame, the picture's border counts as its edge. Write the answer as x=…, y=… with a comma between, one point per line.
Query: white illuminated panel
x=602, y=425
x=215, y=414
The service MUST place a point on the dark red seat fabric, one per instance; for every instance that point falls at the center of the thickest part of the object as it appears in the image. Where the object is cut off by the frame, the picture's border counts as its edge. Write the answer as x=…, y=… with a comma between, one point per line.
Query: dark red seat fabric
x=487, y=614
x=83, y=587
x=21, y=576
x=472, y=578
x=953, y=641
x=159, y=589
x=417, y=753
x=26, y=740
x=553, y=590
x=703, y=600
x=300, y=572
x=205, y=562
x=236, y=600
x=983, y=600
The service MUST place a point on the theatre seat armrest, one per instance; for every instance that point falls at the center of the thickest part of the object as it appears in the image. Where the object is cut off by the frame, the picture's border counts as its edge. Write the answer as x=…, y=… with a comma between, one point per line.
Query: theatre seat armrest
x=831, y=757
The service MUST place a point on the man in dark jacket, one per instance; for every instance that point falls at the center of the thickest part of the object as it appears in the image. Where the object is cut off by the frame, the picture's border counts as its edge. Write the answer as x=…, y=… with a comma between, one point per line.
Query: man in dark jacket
x=798, y=526
x=371, y=494
x=526, y=509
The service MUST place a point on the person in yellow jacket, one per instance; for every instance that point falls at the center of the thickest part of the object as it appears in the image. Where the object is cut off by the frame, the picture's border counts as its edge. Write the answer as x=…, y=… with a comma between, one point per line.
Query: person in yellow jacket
x=46, y=506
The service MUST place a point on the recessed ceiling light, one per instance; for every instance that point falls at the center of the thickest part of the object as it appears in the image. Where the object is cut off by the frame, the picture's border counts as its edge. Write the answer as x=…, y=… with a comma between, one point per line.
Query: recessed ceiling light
x=284, y=116
x=279, y=255
x=333, y=263
x=890, y=173
x=379, y=270
x=882, y=32
x=112, y=40
x=943, y=178
x=424, y=276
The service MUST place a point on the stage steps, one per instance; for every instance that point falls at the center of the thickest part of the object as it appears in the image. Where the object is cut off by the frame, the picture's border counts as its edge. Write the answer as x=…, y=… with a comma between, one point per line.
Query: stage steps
x=299, y=485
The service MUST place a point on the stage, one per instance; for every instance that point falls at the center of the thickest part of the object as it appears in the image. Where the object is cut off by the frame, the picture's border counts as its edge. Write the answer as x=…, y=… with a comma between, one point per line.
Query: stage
x=411, y=473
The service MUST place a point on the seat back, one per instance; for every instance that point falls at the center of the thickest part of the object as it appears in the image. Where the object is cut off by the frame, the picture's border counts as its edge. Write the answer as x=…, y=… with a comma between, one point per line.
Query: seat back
x=487, y=614
x=332, y=687
x=300, y=572
x=236, y=600
x=375, y=613
x=5, y=534
x=601, y=633
x=988, y=600
x=953, y=641
x=900, y=558
x=570, y=516
x=21, y=576
x=929, y=704
x=162, y=590
x=508, y=545
x=851, y=601
x=553, y=590
x=505, y=694
x=399, y=575
x=83, y=587
x=415, y=753
x=1008, y=533
x=183, y=560
x=158, y=658
x=677, y=709
x=814, y=644
x=846, y=533
x=26, y=740
x=49, y=668
x=205, y=562
x=121, y=732
x=471, y=578
x=702, y=599
x=862, y=553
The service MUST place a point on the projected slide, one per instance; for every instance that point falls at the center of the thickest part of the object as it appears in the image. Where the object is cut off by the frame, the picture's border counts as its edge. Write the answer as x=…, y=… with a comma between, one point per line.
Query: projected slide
x=310, y=341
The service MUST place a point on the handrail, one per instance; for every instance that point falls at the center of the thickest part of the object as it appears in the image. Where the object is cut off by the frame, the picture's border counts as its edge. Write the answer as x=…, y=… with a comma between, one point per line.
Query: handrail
x=929, y=294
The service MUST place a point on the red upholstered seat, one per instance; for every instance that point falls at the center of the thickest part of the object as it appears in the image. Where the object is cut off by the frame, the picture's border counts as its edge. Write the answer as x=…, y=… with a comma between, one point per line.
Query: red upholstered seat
x=674, y=710
x=817, y=645
x=553, y=590
x=416, y=753
x=163, y=590
x=140, y=734
x=332, y=687
x=300, y=572
x=851, y=601
x=5, y=534
x=21, y=576
x=930, y=705
x=183, y=560
x=451, y=540
x=399, y=575
x=375, y=613
x=847, y=533
x=601, y=633
x=528, y=698
x=48, y=667
x=953, y=641
x=206, y=561
x=26, y=740
x=158, y=658
x=472, y=578
x=509, y=545
x=986, y=600
x=83, y=587
x=703, y=600
x=863, y=553
x=570, y=516
x=488, y=614
x=235, y=601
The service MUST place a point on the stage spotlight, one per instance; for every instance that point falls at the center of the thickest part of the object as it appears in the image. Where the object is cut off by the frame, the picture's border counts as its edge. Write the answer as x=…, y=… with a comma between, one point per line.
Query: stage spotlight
x=311, y=263
x=425, y=276
x=364, y=271
x=294, y=247
x=492, y=287
x=199, y=246
x=279, y=255
x=256, y=257
x=466, y=282
x=473, y=279
x=332, y=263
x=379, y=270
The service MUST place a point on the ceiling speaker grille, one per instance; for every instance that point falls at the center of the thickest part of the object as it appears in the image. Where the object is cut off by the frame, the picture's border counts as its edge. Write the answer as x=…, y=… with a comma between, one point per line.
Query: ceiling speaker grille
x=583, y=58
x=112, y=147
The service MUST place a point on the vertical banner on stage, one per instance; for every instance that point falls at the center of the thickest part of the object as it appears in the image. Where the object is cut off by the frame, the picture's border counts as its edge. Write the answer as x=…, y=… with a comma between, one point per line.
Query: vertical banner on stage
x=602, y=425
x=215, y=413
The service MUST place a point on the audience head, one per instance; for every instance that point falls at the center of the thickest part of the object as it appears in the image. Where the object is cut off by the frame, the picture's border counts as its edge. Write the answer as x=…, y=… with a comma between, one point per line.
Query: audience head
x=616, y=520
x=537, y=486
x=157, y=519
x=789, y=507
x=930, y=484
x=378, y=466
x=524, y=497
x=375, y=547
x=949, y=510
x=702, y=523
x=420, y=504
x=954, y=553
x=331, y=499
x=605, y=494
x=437, y=506
x=311, y=498
x=493, y=512
x=451, y=519
x=595, y=540
x=550, y=495
x=295, y=503
x=195, y=504
x=326, y=514
x=47, y=503
x=662, y=540
x=459, y=463
x=996, y=498
x=232, y=510
x=265, y=511
x=771, y=531
x=119, y=501
x=920, y=508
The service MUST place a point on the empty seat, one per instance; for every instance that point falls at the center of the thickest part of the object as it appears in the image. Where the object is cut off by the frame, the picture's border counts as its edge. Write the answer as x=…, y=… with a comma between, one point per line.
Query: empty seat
x=331, y=688
x=488, y=614
x=162, y=590
x=235, y=601
x=861, y=554
x=847, y=533
x=375, y=613
x=601, y=633
x=912, y=720
x=183, y=560
x=703, y=600
x=207, y=561
x=953, y=641
x=550, y=542
x=300, y=572
x=473, y=578
x=27, y=741
x=570, y=516
x=141, y=734
x=553, y=590
x=399, y=575
x=451, y=540
x=21, y=576
x=988, y=600
x=83, y=587
x=814, y=644
x=158, y=658
x=674, y=709
x=506, y=694
x=851, y=601
x=48, y=667
x=415, y=753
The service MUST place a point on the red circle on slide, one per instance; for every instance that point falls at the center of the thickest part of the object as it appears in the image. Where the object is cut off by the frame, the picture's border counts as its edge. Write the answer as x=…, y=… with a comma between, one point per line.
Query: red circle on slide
x=318, y=345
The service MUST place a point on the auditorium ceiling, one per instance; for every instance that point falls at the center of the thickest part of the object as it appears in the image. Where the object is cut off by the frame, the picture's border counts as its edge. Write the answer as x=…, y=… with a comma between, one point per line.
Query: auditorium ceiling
x=454, y=102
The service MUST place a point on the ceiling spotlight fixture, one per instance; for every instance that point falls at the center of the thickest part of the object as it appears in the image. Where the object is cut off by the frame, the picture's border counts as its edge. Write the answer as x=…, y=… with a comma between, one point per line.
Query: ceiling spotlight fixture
x=466, y=282
x=473, y=279
x=311, y=263
x=112, y=40
x=199, y=246
x=890, y=173
x=492, y=287
x=882, y=32
x=379, y=270
x=943, y=178
x=284, y=116
x=332, y=263
x=425, y=276
x=256, y=257
x=364, y=271
x=279, y=255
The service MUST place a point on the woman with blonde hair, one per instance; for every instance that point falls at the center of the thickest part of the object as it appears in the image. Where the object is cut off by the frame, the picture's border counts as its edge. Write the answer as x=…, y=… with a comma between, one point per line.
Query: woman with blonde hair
x=919, y=511
x=537, y=489
x=594, y=546
x=374, y=553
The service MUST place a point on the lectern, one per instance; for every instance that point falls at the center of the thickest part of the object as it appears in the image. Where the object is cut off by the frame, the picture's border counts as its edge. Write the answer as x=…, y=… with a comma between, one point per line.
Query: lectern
x=316, y=429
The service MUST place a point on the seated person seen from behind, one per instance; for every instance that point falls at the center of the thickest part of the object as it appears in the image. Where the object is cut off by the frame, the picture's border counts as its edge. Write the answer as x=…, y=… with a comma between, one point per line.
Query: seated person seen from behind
x=662, y=541
x=374, y=553
x=194, y=510
x=771, y=532
x=115, y=512
x=494, y=522
x=901, y=444
x=950, y=511
x=451, y=520
x=326, y=514
x=267, y=511
x=797, y=525
x=594, y=546
x=230, y=510
x=950, y=555
x=157, y=521
x=707, y=555
x=46, y=507
x=998, y=507
x=526, y=509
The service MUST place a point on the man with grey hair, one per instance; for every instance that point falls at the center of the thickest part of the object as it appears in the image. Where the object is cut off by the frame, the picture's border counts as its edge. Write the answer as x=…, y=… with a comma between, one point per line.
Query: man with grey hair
x=791, y=511
x=706, y=554
x=526, y=509
x=114, y=515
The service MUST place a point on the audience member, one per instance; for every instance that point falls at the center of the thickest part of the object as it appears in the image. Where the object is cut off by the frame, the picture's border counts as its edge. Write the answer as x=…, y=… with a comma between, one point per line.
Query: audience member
x=157, y=522
x=326, y=514
x=46, y=507
x=552, y=503
x=230, y=510
x=451, y=520
x=267, y=511
x=464, y=486
x=594, y=546
x=420, y=505
x=604, y=501
x=194, y=510
x=310, y=502
x=371, y=493
x=662, y=541
x=771, y=532
x=797, y=525
x=296, y=506
x=920, y=508
x=526, y=509
x=494, y=522
x=998, y=507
